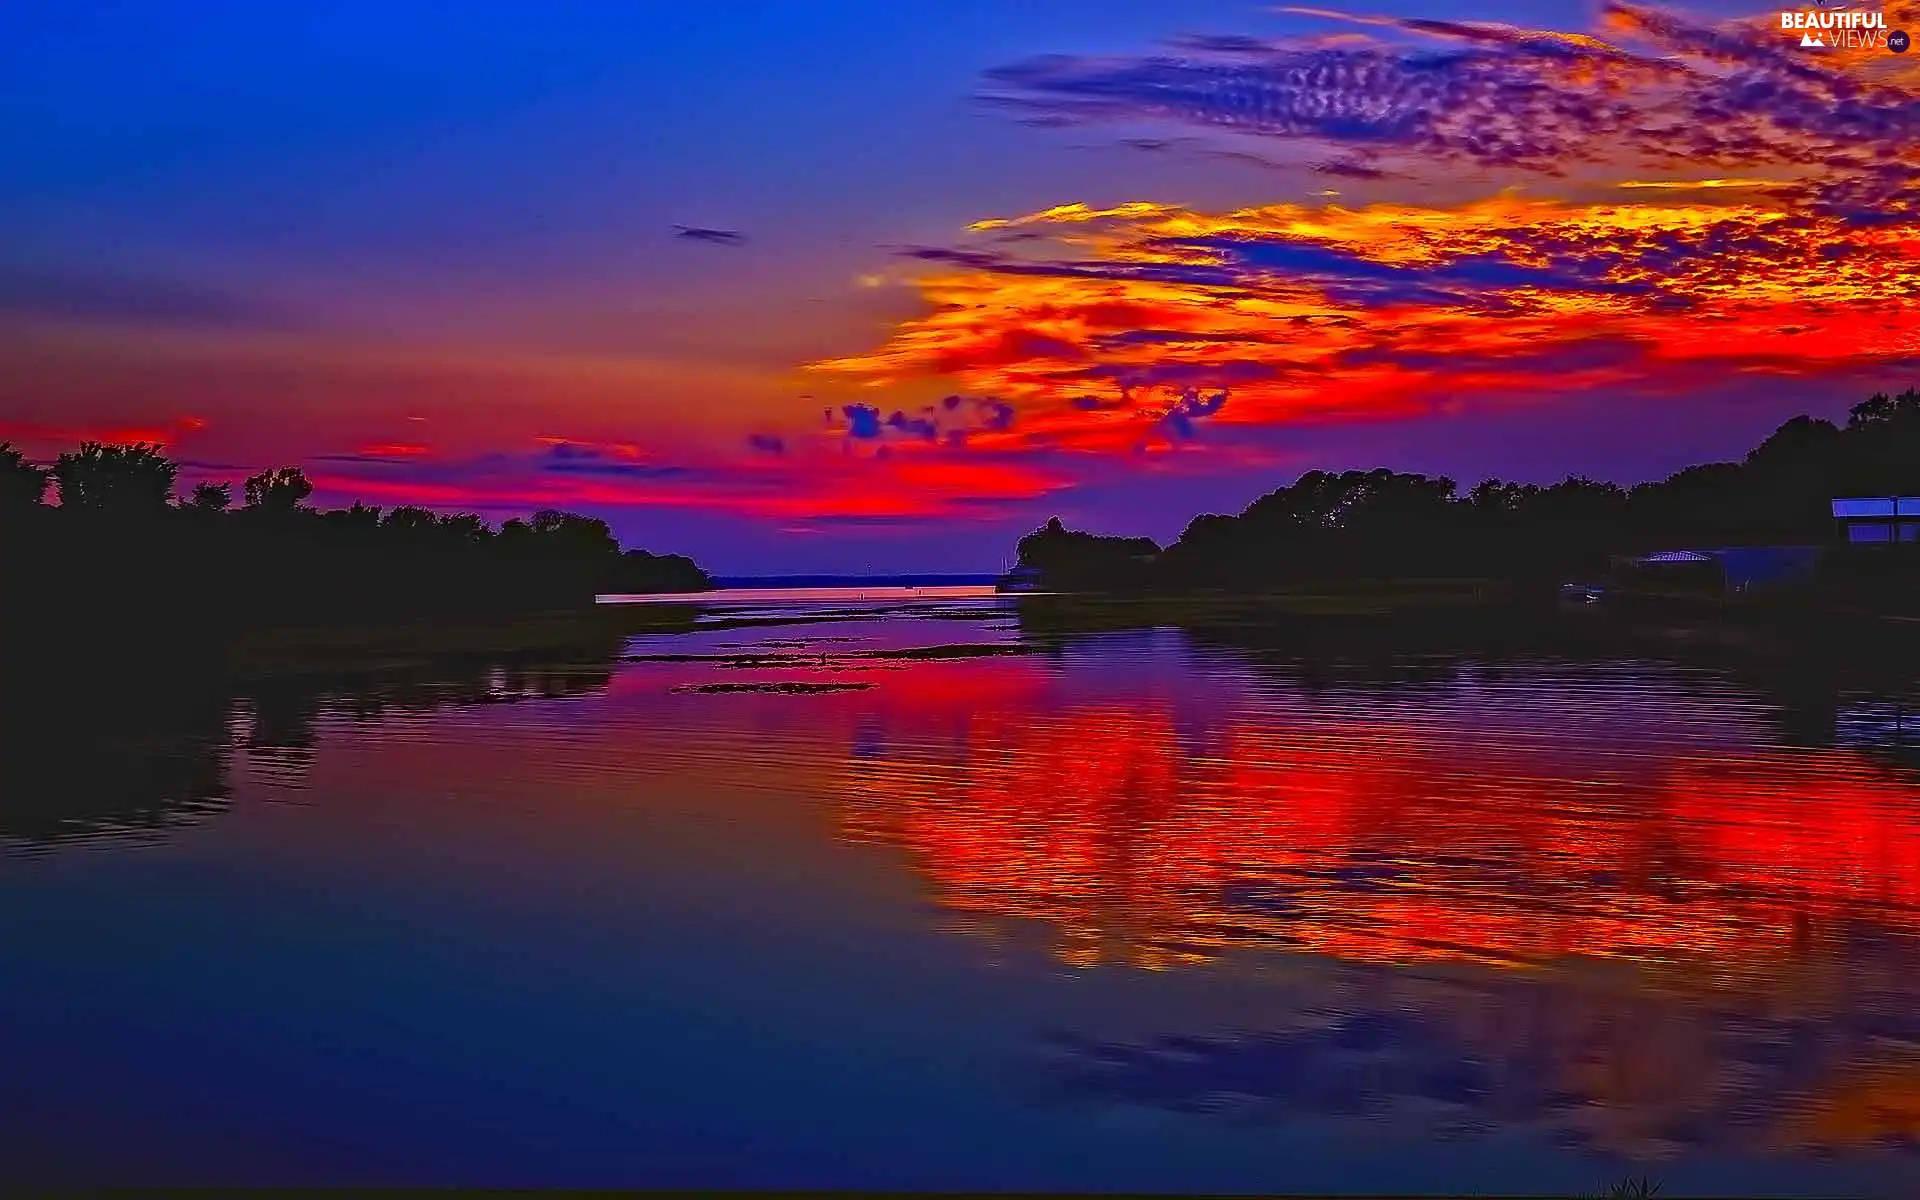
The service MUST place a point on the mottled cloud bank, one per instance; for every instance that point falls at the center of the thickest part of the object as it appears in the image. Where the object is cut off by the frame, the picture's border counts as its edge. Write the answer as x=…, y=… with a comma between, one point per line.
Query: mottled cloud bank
x=1649, y=89
x=1759, y=219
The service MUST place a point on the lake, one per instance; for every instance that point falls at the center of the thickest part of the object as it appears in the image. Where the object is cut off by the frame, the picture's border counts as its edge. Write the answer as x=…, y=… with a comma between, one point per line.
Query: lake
x=923, y=892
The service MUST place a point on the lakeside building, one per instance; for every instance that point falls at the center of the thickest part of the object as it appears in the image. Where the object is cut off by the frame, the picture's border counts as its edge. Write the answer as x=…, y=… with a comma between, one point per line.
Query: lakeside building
x=1871, y=520
x=1723, y=570
x=1729, y=568
x=1860, y=521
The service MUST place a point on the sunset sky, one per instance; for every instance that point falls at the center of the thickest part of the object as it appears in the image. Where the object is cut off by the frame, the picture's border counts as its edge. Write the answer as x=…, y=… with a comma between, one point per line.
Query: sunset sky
x=882, y=284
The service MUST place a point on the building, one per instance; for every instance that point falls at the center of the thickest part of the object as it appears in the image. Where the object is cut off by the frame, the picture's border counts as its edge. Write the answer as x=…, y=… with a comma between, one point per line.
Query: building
x=1728, y=569
x=1871, y=520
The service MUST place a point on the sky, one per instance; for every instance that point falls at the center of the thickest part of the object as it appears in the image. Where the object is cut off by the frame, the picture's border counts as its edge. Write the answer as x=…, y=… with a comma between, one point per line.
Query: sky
x=879, y=285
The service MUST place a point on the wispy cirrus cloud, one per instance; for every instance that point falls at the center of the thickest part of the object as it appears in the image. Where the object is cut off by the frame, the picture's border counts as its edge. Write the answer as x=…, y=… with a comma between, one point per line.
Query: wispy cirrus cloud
x=1653, y=88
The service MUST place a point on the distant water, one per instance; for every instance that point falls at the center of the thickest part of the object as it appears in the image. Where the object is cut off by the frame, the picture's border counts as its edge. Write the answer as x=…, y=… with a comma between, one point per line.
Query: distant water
x=856, y=582
x=867, y=894
x=823, y=599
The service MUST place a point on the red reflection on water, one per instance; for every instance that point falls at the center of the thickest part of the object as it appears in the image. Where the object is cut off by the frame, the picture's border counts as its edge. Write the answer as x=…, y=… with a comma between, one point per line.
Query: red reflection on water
x=1794, y=827
x=1389, y=842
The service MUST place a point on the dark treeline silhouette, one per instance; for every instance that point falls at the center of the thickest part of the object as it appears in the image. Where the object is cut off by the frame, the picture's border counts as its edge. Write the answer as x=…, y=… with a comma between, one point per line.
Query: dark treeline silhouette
x=1384, y=524
x=1066, y=557
x=120, y=546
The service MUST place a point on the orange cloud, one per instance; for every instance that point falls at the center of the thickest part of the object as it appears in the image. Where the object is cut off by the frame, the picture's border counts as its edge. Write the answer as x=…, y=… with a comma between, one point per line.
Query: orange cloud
x=1314, y=313
x=1103, y=324
x=393, y=450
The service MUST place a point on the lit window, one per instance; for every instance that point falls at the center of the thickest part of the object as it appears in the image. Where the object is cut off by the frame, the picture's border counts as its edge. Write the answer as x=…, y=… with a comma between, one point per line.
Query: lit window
x=1864, y=507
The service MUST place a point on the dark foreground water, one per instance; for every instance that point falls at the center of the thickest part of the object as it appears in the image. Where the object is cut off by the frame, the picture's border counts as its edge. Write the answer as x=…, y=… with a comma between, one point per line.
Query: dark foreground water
x=815, y=904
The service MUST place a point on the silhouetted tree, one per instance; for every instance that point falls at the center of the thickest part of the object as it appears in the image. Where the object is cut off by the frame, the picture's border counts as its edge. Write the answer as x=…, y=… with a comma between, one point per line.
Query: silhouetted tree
x=584, y=535
x=1081, y=560
x=210, y=498
x=1796, y=444
x=121, y=480
x=1887, y=413
x=465, y=529
x=361, y=519
x=639, y=571
x=1494, y=497
x=1883, y=433
x=22, y=484
x=278, y=491
x=408, y=519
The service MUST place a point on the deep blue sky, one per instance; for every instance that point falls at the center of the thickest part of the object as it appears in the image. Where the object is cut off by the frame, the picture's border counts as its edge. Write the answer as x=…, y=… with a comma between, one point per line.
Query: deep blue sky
x=273, y=233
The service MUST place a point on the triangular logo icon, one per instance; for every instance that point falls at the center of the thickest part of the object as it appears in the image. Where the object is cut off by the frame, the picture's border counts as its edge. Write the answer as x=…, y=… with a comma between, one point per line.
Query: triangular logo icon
x=1810, y=41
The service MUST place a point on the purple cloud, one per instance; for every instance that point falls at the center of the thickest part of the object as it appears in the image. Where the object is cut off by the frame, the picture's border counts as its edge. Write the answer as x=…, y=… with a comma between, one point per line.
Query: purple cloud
x=1190, y=408
x=863, y=421
x=715, y=237
x=1675, y=92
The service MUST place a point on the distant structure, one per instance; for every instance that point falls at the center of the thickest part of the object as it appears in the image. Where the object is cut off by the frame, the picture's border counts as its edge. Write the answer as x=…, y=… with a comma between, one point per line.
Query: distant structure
x=1869, y=520
x=1861, y=520
x=1731, y=568
x=1019, y=579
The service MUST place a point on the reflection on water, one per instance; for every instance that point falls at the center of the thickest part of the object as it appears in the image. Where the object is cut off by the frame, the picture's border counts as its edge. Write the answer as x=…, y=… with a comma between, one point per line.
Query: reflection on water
x=122, y=765
x=1467, y=826
x=1624, y=905
x=1685, y=935
x=87, y=759
x=837, y=601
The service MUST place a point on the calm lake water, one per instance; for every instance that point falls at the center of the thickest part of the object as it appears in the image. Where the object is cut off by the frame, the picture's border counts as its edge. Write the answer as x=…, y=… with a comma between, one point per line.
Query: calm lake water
x=905, y=893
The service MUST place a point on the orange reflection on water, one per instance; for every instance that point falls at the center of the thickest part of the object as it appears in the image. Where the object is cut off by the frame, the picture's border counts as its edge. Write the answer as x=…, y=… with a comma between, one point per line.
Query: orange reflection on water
x=1390, y=842
x=1792, y=826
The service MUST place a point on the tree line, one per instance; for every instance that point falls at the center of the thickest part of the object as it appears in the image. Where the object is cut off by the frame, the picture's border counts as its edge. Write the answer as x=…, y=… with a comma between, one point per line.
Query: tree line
x=118, y=541
x=1388, y=524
